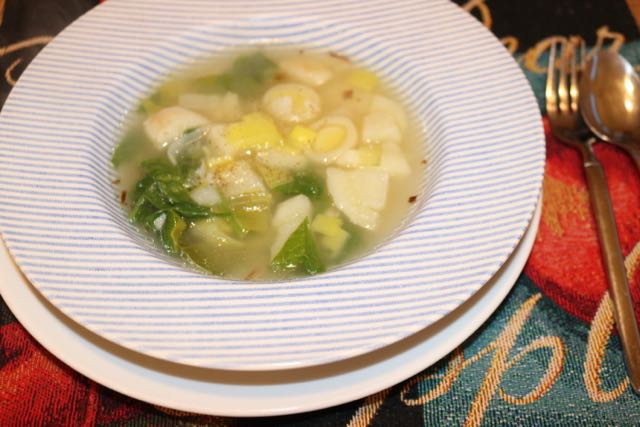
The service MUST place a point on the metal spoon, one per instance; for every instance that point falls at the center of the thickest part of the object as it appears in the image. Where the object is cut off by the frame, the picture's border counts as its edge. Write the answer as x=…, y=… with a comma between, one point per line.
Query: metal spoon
x=610, y=101
x=610, y=106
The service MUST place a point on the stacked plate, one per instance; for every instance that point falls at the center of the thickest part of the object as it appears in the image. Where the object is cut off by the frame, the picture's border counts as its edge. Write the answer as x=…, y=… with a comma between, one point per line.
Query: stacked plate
x=111, y=308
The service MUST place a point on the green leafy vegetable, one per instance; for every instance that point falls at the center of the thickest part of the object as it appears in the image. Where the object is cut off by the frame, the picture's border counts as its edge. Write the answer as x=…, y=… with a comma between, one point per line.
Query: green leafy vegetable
x=161, y=203
x=125, y=149
x=238, y=228
x=210, y=244
x=154, y=220
x=173, y=227
x=148, y=106
x=166, y=186
x=256, y=65
x=141, y=211
x=251, y=211
x=299, y=253
x=166, y=94
x=309, y=185
x=247, y=77
x=192, y=150
x=189, y=131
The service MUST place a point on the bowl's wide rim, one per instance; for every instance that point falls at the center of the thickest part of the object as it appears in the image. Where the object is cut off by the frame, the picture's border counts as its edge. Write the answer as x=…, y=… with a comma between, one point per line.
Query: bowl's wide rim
x=478, y=108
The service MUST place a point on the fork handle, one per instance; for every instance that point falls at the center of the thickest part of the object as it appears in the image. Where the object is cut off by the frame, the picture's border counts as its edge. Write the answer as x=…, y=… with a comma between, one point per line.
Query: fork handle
x=614, y=266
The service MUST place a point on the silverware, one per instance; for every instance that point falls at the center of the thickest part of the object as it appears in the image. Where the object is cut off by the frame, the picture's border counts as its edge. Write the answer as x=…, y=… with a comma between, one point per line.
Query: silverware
x=610, y=105
x=562, y=101
x=610, y=102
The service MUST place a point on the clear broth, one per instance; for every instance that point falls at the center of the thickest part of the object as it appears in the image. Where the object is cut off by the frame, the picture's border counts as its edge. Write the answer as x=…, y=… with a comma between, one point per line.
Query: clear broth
x=252, y=261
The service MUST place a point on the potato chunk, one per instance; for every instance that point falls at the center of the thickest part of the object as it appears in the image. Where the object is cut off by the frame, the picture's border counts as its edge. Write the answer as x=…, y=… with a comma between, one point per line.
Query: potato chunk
x=237, y=178
x=383, y=104
x=393, y=160
x=359, y=193
x=380, y=127
x=220, y=108
x=288, y=216
x=306, y=70
x=170, y=123
x=292, y=103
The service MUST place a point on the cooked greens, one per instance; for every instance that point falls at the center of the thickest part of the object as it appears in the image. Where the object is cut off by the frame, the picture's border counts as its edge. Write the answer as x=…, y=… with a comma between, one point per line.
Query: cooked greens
x=299, y=254
x=308, y=184
x=270, y=169
x=248, y=76
x=161, y=202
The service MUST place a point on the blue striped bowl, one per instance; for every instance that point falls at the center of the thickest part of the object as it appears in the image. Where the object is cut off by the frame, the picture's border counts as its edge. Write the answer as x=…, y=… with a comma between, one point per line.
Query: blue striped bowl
x=63, y=224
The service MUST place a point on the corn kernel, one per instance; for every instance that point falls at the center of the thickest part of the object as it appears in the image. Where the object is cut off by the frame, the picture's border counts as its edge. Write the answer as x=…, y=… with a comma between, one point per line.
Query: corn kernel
x=336, y=242
x=255, y=131
x=370, y=155
x=149, y=107
x=326, y=225
x=301, y=137
x=273, y=177
x=216, y=162
x=332, y=235
x=363, y=79
x=329, y=138
x=169, y=92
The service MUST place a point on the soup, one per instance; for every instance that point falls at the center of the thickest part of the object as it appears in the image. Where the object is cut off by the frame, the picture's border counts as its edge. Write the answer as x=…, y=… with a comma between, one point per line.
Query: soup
x=269, y=166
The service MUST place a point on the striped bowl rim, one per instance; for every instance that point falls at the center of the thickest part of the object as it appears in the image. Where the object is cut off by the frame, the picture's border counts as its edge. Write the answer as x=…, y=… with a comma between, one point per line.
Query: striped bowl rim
x=62, y=223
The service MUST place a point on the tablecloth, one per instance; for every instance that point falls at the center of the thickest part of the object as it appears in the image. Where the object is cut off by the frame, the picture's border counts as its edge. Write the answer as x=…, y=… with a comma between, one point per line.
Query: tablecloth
x=548, y=356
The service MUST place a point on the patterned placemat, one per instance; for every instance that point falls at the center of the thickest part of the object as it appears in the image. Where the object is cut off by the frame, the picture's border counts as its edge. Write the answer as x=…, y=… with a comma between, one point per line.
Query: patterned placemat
x=548, y=356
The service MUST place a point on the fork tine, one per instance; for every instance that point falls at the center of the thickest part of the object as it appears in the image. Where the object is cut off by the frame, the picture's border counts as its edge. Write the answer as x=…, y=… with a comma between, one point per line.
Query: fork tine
x=550, y=90
x=563, y=84
x=574, y=91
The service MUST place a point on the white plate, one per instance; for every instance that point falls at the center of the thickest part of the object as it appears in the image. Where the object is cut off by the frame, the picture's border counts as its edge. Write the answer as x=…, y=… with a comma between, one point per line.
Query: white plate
x=64, y=227
x=259, y=393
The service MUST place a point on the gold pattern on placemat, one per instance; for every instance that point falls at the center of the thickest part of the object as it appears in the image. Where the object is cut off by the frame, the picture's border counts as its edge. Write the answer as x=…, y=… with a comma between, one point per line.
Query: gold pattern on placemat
x=532, y=56
x=562, y=200
x=7, y=74
x=510, y=43
x=548, y=379
x=453, y=370
x=209, y=420
x=16, y=47
x=485, y=13
x=606, y=35
x=632, y=262
x=368, y=410
x=599, y=334
x=604, y=38
x=505, y=342
x=634, y=7
x=23, y=44
x=501, y=348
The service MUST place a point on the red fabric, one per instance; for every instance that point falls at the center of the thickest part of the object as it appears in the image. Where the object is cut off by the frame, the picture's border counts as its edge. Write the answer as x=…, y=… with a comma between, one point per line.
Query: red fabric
x=566, y=262
x=36, y=389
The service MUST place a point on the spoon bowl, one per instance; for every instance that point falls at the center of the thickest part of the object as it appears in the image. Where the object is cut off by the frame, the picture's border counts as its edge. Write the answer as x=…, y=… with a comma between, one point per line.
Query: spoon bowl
x=610, y=101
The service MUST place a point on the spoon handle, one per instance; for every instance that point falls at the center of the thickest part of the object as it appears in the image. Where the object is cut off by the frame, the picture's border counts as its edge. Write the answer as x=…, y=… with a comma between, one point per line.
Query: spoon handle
x=614, y=266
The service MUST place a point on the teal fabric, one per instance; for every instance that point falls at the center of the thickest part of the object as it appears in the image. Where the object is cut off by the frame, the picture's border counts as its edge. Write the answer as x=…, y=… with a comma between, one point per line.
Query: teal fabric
x=565, y=404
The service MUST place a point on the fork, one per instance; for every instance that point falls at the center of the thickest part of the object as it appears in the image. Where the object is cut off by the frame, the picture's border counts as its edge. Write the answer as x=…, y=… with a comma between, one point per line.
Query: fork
x=567, y=125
